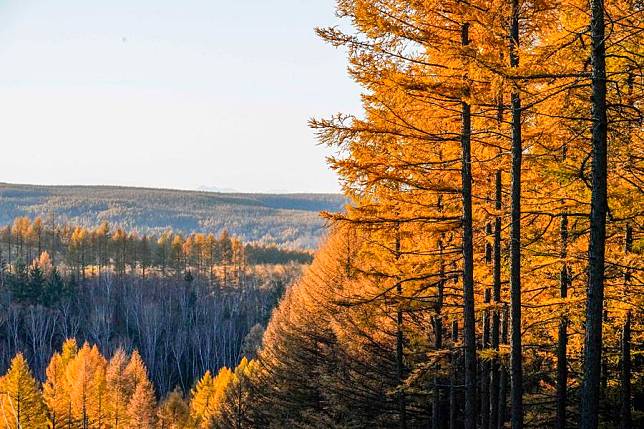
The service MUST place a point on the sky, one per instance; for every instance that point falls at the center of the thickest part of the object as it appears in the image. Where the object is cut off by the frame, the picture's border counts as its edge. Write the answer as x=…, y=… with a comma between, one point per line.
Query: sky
x=183, y=94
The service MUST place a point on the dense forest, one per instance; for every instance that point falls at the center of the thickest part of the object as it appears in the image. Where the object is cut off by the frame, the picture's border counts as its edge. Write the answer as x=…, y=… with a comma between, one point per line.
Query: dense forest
x=284, y=219
x=182, y=306
x=82, y=249
x=487, y=272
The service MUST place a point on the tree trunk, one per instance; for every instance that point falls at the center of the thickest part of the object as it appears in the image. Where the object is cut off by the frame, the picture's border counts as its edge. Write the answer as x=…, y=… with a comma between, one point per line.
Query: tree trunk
x=562, y=359
x=515, y=264
x=628, y=248
x=503, y=379
x=598, y=208
x=494, y=378
x=453, y=405
x=438, y=336
x=436, y=394
x=469, y=336
x=485, y=366
x=400, y=364
x=625, y=412
x=488, y=245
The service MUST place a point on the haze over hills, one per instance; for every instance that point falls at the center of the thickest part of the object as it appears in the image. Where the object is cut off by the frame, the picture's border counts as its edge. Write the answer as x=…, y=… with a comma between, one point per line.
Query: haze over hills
x=285, y=219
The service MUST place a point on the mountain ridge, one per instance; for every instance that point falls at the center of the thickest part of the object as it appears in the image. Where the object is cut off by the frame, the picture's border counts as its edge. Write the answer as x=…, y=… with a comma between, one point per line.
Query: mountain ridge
x=290, y=220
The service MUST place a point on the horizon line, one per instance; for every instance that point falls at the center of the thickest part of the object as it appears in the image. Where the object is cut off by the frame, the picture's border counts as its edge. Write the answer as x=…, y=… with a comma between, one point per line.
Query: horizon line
x=197, y=189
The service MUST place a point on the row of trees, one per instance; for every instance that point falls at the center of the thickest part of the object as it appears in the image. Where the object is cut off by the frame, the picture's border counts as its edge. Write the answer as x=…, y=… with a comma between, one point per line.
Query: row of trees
x=86, y=251
x=489, y=268
x=288, y=220
x=83, y=389
x=331, y=354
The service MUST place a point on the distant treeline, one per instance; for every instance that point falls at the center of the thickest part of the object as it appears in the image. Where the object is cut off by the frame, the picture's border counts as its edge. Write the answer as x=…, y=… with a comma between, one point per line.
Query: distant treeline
x=84, y=251
x=290, y=220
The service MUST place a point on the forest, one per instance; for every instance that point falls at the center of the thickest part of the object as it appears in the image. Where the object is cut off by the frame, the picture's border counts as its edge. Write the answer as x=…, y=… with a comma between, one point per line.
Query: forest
x=165, y=310
x=488, y=270
x=83, y=249
x=486, y=273
x=84, y=389
x=290, y=220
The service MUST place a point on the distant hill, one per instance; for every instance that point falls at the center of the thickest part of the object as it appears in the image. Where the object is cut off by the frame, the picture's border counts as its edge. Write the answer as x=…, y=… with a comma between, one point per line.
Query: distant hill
x=284, y=219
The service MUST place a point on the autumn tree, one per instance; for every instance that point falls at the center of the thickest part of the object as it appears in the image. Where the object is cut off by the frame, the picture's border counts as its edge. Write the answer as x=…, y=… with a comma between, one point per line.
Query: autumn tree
x=174, y=412
x=87, y=386
x=21, y=401
x=56, y=388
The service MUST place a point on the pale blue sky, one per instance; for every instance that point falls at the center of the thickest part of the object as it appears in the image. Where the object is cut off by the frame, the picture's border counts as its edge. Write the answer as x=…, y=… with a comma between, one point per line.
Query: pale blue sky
x=168, y=93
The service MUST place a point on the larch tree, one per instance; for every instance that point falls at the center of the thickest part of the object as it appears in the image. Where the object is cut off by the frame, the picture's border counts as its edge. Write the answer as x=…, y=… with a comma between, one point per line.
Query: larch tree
x=142, y=406
x=598, y=209
x=174, y=412
x=86, y=378
x=202, y=406
x=56, y=388
x=21, y=401
x=118, y=390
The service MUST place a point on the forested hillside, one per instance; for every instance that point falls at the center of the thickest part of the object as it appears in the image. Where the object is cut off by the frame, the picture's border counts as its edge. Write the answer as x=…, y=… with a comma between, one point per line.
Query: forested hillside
x=289, y=219
x=81, y=249
x=187, y=304
x=109, y=320
x=488, y=272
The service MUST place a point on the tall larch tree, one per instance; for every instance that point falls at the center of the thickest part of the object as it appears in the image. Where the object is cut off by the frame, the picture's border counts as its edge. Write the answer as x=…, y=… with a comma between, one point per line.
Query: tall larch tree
x=56, y=388
x=598, y=209
x=86, y=378
x=118, y=394
x=21, y=401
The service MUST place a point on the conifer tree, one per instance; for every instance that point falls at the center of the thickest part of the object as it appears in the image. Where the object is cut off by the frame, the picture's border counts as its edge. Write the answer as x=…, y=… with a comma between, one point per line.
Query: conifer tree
x=118, y=395
x=36, y=284
x=19, y=282
x=53, y=288
x=86, y=378
x=135, y=373
x=56, y=389
x=21, y=401
x=599, y=206
x=234, y=411
x=142, y=406
x=174, y=412
x=202, y=405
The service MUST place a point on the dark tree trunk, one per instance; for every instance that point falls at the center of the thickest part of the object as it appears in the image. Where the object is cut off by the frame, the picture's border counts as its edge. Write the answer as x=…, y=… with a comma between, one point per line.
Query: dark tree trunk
x=488, y=245
x=562, y=359
x=628, y=248
x=436, y=394
x=485, y=365
x=469, y=335
x=515, y=264
x=598, y=207
x=626, y=419
x=400, y=364
x=494, y=378
x=469, y=338
x=438, y=337
x=453, y=382
x=503, y=379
